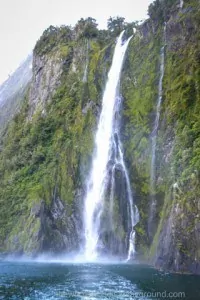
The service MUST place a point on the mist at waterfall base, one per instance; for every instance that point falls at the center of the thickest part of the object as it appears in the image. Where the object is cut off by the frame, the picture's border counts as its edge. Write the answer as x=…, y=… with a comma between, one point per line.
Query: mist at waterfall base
x=34, y=280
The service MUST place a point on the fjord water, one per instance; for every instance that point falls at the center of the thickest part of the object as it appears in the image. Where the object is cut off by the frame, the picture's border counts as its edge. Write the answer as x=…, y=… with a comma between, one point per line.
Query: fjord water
x=33, y=280
x=107, y=144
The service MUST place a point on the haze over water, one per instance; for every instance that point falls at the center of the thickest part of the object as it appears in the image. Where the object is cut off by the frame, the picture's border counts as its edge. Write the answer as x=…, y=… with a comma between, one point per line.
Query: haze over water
x=36, y=280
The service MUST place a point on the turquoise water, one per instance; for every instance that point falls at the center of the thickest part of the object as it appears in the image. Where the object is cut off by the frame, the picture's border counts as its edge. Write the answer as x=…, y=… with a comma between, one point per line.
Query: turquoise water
x=34, y=280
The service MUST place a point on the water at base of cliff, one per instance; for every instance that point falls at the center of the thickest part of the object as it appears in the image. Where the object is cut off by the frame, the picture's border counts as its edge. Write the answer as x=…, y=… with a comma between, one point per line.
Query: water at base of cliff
x=36, y=280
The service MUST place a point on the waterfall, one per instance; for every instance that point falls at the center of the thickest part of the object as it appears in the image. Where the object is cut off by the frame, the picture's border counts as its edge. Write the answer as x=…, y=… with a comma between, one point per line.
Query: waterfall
x=134, y=214
x=85, y=74
x=181, y=4
x=107, y=145
x=155, y=132
x=118, y=160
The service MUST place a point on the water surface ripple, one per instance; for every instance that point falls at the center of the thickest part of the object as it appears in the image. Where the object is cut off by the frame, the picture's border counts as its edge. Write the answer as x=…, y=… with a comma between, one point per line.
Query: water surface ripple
x=34, y=280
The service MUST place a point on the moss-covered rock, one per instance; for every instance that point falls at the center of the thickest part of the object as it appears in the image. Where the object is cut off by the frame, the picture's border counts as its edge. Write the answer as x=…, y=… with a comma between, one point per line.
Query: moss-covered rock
x=171, y=245
x=46, y=151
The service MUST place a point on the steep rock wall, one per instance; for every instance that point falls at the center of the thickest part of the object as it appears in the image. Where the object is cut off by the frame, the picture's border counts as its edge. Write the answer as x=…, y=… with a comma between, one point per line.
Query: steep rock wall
x=173, y=240
x=47, y=149
x=12, y=92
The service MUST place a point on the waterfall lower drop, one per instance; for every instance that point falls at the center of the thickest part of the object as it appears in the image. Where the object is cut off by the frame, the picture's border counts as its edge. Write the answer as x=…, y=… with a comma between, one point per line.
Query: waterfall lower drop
x=108, y=147
x=155, y=130
x=119, y=161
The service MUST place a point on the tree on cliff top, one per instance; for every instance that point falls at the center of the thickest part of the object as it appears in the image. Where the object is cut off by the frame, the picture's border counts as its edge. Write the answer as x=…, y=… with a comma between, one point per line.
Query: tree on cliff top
x=86, y=28
x=116, y=25
x=160, y=10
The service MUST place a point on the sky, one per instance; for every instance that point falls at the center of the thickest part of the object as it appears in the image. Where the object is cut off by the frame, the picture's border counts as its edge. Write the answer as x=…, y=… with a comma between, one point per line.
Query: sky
x=23, y=21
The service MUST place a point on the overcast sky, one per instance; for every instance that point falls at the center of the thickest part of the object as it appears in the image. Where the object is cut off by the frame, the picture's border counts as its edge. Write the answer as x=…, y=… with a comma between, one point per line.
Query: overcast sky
x=23, y=21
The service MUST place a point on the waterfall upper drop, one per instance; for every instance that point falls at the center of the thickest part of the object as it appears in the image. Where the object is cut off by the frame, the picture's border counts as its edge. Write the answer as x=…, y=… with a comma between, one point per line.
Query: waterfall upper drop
x=108, y=155
x=157, y=119
x=155, y=133
x=85, y=74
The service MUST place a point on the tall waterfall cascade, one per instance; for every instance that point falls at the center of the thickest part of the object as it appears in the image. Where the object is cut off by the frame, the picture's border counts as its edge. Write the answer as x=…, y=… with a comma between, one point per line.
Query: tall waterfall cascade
x=108, y=148
x=155, y=129
x=85, y=74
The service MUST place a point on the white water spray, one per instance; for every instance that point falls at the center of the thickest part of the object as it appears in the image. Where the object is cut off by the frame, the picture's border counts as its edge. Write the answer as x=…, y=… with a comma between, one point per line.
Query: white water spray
x=94, y=201
x=156, y=124
x=155, y=129
x=85, y=74
x=119, y=161
x=134, y=214
x=181, y=3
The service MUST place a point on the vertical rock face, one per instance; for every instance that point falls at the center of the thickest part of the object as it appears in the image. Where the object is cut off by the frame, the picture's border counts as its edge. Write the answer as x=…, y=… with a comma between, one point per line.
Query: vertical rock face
x=181, y=222
x=52, y=57
x=176, y=221
x=47, y=148
x=178, y=242
x=47, y=73
x=17, y=80
x=115, y=228
x=13, y=90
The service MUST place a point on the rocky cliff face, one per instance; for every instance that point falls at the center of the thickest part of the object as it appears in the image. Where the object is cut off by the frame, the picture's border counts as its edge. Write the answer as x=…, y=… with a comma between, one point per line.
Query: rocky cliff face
x=172, y=241
x=47, y=147
x=13, y=90
x=46, y=151
x=180, y=154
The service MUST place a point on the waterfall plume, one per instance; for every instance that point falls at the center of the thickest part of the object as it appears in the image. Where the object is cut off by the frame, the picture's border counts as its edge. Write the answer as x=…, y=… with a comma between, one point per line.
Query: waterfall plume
x=107, y=148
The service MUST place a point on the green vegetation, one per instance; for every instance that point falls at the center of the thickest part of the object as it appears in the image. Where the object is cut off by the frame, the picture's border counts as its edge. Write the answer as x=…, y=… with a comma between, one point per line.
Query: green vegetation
x=161, y=10
x=178, y=146
x=140, y=92
x=51, y=37
x=47, y=156
x=86, y=28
